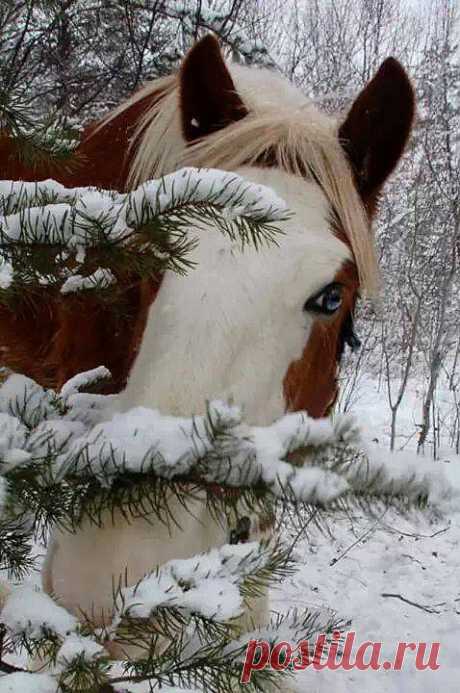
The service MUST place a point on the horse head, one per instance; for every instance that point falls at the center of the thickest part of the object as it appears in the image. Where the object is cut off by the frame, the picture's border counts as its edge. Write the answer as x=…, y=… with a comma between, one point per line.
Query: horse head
x=267, y=327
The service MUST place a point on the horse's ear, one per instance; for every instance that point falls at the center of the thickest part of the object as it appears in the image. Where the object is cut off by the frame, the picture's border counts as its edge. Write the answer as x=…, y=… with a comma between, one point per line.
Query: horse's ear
x=208, y=97
x=377, y=128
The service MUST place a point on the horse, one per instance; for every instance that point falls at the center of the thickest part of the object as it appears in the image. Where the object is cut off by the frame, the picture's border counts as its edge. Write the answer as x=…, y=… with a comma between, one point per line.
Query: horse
x=267, y=327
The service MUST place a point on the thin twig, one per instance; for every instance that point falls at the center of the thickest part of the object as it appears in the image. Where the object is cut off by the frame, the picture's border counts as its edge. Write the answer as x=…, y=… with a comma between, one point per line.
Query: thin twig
x=414, y=535
x=428, y=609
x=10, y=669
x=334, y=561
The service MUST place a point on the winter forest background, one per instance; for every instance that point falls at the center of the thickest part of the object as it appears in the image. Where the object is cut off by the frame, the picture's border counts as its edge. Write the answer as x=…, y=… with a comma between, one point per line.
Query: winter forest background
x=81, y=59
x=65, y=64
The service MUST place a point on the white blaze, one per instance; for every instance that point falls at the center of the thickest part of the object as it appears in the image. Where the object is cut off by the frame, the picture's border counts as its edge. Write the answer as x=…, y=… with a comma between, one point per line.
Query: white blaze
x=232, y=326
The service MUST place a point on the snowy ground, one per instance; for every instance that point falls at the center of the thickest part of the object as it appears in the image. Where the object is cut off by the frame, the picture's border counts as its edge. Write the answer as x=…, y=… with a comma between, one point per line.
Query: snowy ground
x=416, y=557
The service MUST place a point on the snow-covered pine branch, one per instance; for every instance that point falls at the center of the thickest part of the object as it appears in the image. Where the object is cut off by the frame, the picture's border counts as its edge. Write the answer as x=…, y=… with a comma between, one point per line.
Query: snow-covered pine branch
x=37, y=140
x=68, y=456
x=187, y=607
x=190, y=604
x=85, y=238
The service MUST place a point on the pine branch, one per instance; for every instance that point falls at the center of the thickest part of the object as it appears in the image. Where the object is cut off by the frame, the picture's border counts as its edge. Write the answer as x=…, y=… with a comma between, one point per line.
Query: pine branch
x=180, y=639
x=84, y=469
x=16, y=548
x=37, y=143
x=49, y=235
x=64, y=459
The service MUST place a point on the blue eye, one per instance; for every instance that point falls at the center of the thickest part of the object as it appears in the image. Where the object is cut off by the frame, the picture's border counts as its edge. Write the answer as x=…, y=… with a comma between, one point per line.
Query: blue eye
x=327, y=301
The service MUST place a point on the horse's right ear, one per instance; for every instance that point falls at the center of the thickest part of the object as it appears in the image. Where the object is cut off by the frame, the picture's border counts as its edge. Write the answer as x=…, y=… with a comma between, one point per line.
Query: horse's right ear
x=208, y=97
x=377, y=127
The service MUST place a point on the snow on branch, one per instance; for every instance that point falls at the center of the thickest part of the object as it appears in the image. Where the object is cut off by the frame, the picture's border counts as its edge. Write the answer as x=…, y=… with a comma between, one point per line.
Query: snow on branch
x=82, y=380
x=73, y=439
x=208, y=585
x=89, y=239
x=24, y=682
x=46, y=212
x=99, y=279
x=31, y=614
x=16, y=196
x=144, y=440
x=208, y=589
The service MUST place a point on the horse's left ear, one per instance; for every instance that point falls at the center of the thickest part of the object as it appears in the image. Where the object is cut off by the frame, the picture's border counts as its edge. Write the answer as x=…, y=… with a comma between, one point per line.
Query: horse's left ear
x=376, y=130
x=208, y=98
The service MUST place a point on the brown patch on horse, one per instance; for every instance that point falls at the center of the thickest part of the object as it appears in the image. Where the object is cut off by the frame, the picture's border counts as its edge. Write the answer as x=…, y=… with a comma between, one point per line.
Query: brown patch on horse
x=310, y=383
x=374, y=136
x=91, y=334
x=54, y=338
x=208, y=98
x=28, y=325
x=13, y=166
x=106, y=151
x=102, y=158
x=27, y=329
x=376, y=130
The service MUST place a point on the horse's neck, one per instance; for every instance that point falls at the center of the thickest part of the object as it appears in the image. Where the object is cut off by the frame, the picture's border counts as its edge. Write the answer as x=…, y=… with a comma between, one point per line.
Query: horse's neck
x=102, y=158
x=104, y=154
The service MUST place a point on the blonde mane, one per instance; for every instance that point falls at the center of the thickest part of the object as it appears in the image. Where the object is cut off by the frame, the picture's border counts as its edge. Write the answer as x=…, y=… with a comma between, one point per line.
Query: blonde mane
x=282, y=122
